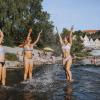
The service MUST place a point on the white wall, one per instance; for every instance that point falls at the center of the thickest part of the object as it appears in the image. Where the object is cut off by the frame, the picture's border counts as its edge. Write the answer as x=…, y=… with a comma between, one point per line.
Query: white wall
x=91, y=43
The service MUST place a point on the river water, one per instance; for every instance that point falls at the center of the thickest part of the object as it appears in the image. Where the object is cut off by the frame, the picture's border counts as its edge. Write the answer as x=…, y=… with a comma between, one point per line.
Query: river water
x=49, y=83
x=95, y=52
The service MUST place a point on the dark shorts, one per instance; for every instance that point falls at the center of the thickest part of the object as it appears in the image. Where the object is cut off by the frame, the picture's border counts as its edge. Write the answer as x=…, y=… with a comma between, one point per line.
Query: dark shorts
x=2, y=63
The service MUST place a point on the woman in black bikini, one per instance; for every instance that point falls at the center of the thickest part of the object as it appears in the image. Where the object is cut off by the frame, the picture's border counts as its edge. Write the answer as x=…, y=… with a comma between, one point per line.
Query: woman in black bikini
x=2, y=60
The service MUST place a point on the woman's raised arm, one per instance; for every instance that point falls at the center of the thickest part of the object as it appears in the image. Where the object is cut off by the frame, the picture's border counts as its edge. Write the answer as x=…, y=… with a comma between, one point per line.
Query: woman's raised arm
x=1, y=36
x=37, y=38
x=60, y=38
x=30, y=31
x=71, y=35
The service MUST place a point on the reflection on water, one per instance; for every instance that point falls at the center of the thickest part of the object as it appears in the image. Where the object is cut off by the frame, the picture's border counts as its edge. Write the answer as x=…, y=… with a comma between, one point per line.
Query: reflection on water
x=68, y=92
x=49, y=83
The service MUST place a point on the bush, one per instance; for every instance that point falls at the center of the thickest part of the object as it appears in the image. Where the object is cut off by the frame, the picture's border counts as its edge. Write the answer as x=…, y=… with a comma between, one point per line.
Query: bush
x=82, y=54
x=11, y=56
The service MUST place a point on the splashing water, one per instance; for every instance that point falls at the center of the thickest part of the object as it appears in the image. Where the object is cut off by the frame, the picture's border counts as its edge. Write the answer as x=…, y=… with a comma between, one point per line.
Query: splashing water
x=49, y=83
x=42, y=79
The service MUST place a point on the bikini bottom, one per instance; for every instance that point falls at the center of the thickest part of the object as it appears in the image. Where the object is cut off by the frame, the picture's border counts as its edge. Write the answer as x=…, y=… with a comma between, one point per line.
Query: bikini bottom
x=66, y=59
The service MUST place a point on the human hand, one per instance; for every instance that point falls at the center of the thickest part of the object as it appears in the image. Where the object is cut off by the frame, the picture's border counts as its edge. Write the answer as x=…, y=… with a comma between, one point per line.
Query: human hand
x=72, y=27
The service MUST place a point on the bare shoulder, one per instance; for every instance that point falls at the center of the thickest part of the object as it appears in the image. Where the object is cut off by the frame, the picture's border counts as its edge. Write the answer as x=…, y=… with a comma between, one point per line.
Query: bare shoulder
x=32, y=45
x=25, y=45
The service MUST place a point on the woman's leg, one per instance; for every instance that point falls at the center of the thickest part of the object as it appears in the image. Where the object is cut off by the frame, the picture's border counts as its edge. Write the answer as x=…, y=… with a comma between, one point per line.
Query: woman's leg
x=68, y=71
x=3, y=75
x=67, y=76
x=30, y=69
x=0, y=72
x=26, y=66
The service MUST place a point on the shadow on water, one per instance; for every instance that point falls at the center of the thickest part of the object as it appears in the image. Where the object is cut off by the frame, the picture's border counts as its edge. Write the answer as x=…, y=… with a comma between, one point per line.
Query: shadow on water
x=49, y=83
x=14, y=76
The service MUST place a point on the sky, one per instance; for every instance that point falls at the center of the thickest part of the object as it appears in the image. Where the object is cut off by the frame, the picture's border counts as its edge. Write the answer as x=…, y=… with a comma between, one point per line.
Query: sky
x=83, y=14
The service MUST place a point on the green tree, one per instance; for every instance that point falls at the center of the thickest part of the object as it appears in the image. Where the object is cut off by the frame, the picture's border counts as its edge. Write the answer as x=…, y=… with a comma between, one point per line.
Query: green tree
x=65, y=32
x=78, y=48
x=20, y=15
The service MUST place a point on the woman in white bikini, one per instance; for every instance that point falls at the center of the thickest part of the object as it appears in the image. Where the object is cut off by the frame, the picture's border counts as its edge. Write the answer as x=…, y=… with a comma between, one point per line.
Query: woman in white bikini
x=66, y=56
x=27, y=53
x=2, y=60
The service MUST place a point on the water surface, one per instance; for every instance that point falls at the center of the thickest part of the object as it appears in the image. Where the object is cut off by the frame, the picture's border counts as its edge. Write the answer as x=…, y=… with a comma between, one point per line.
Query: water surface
x=49, y=83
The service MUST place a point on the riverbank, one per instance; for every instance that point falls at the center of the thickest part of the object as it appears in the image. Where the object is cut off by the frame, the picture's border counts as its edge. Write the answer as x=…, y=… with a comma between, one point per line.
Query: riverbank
x=39, y=58
x=37, y=62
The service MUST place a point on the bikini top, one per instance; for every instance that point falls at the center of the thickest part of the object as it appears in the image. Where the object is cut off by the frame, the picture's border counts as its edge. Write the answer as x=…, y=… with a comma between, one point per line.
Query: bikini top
x=2, y=51
x=66, y=47
x=28, y=49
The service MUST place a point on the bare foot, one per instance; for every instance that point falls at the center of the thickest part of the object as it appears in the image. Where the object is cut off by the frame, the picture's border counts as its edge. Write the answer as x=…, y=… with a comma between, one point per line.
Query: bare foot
x=67, y=80
x=72, y=80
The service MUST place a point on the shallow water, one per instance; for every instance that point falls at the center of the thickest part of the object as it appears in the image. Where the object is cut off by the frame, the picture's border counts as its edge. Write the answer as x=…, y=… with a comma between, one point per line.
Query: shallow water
x=49, y=83
x=95, y=52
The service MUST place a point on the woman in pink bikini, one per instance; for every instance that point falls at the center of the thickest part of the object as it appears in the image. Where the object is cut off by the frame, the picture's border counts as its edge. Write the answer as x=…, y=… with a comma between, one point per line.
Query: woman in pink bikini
x=66, y=56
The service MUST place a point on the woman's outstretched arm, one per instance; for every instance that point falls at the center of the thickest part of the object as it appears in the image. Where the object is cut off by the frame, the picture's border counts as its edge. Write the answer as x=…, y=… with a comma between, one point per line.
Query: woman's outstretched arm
x=60, y=38
x=28, y=36
x=30, y=32
x=1, y=36
x=37, y=38
x=71, y=35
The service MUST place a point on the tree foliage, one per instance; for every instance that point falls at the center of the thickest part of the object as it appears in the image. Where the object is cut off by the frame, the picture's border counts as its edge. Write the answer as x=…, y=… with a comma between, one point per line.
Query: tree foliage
x=65, y=32
x=77, y=45
x=19, y=15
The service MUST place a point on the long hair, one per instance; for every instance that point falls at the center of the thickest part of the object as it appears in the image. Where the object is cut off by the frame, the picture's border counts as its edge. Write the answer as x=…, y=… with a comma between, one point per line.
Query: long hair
x=24, y=43
x=67, y=37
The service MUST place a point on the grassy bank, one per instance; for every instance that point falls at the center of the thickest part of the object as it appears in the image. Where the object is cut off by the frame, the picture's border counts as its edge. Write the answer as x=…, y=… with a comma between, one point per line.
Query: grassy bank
x=10, y=56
